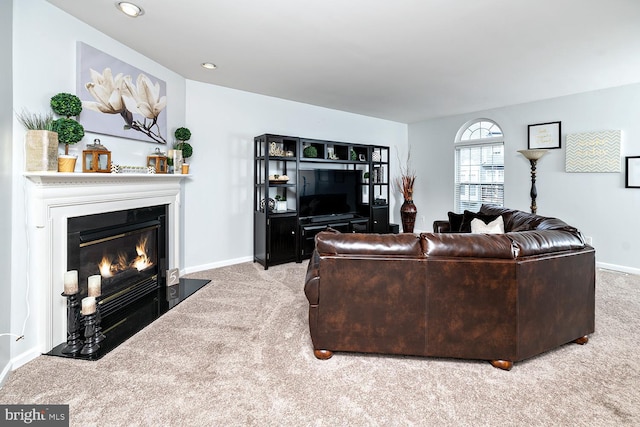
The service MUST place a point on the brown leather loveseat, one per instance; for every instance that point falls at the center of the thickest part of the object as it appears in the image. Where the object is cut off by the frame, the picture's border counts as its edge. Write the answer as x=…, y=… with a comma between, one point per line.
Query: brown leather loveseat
x=498, y=297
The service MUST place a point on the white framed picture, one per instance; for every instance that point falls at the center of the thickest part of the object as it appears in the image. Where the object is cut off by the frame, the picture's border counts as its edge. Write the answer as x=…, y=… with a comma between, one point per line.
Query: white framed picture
x=544, y=136
x=632, y=172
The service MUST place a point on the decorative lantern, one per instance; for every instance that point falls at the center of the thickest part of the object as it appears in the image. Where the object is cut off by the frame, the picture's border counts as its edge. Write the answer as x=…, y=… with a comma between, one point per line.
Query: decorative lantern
x=96, y=161
x=96, y=158
x=158, y=161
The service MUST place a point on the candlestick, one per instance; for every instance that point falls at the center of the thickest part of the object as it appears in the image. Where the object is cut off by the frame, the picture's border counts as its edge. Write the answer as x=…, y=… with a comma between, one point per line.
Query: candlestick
x=74, y=343
x=95, y=284
x=88, y=305
x=71, y=282
x=90, y=343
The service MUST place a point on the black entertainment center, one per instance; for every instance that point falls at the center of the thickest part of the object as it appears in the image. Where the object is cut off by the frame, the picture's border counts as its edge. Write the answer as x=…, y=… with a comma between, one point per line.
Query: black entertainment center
x=302, y=186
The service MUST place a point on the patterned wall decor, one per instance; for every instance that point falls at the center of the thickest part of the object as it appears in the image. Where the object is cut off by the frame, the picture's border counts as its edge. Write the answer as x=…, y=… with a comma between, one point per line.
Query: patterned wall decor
x=594, y=151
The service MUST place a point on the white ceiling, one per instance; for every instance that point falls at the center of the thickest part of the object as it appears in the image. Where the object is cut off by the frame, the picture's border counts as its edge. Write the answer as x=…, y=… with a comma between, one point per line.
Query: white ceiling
x=401, y=60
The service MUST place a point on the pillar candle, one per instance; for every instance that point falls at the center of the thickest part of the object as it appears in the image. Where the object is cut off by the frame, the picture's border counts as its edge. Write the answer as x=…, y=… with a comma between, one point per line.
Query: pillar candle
x=71, y=282
x=95, y=283
x=88, y=305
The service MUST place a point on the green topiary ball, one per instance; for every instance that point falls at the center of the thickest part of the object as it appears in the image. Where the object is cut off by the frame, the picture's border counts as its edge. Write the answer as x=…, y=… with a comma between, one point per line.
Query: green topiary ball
x=69, y=131
x=66, y=104
x=187, y=149
x=183, y=134
x=310, y=151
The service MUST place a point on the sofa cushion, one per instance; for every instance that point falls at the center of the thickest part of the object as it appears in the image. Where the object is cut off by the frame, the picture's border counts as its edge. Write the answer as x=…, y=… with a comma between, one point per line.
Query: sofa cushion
x=494, y=227
x=383, y=245
x=470, y=216
x=538, y=242
x=515, y=220
x=468, y=245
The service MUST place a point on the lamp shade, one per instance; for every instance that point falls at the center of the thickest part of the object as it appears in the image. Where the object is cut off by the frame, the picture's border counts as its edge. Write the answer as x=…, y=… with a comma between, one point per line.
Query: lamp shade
x=533, y=154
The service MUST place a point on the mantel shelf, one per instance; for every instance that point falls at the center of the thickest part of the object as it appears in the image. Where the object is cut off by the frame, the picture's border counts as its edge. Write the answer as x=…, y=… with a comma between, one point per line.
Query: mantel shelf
x=79, y=178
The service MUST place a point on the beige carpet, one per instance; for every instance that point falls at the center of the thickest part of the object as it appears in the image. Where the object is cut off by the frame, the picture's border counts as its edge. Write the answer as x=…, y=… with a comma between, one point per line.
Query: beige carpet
x=238, y=353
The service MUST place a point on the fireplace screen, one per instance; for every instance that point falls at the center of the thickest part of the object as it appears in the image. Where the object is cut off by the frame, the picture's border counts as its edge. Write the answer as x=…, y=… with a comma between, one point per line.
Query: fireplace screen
x=127, y=251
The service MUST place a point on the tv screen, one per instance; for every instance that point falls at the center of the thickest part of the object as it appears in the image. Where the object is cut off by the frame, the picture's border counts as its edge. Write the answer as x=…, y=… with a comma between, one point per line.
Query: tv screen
x=327, y=191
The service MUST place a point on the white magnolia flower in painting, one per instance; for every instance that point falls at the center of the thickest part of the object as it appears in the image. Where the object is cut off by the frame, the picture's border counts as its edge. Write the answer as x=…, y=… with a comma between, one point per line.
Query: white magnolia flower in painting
x=120, y=96
x=143, y=98
x=107, y=92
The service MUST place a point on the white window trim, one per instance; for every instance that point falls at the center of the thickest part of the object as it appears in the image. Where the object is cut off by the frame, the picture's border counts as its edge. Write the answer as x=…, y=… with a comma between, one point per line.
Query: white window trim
x=459, y=144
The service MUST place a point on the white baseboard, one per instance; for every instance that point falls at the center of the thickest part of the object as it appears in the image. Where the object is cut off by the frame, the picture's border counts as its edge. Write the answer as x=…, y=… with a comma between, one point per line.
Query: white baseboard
x=620, y=268
x=225, y=263
x=5, y=373
x=17, y=362
x=24, y=358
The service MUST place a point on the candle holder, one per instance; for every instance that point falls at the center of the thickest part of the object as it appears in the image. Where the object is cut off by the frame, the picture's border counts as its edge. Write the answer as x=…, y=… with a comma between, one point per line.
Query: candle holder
x=74, y=342
x=90, y=340
x=99, y=335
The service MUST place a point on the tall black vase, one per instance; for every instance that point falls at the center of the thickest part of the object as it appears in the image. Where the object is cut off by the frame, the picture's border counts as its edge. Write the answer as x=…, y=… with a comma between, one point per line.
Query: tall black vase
x=408, y=213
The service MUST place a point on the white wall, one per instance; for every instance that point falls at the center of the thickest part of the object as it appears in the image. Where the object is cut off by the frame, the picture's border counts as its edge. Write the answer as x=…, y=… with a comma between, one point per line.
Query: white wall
x=217, y=208
x=44, y=63
x=596, y=203
x=218, y=200
x=6, y=121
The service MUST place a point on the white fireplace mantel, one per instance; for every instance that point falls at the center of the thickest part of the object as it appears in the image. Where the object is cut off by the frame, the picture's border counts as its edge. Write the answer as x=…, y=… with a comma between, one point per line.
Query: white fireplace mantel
x=53, y=198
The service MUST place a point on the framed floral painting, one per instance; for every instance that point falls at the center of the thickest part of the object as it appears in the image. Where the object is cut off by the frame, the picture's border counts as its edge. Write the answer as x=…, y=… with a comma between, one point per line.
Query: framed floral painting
x=119, y=99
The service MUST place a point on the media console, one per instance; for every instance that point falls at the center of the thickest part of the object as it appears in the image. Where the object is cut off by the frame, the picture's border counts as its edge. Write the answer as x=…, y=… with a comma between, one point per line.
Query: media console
x=303, y=186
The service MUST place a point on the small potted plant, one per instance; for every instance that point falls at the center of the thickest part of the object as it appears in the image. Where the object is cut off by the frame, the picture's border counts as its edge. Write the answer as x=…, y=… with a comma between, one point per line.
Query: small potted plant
x=281, y=203
x=310, y=151
x=182, y=135
x=41, y=142
x=69, y=130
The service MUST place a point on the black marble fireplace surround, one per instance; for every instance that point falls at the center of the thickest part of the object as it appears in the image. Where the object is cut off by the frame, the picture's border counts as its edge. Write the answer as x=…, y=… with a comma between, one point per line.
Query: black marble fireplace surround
x=129, y=250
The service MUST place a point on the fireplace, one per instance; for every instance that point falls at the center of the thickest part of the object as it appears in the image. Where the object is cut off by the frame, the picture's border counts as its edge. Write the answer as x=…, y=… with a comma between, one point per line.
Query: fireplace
x=54, y=199
x=126, y=248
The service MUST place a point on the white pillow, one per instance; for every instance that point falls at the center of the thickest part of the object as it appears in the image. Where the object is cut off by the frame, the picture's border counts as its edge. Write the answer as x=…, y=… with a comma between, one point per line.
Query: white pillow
x=494, y=227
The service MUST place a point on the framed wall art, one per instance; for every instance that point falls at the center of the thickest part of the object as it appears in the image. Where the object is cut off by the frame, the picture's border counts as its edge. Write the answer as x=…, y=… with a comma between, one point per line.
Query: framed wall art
x=594, y=151
x=119, y=99
x=632, y=172
x=544, y=136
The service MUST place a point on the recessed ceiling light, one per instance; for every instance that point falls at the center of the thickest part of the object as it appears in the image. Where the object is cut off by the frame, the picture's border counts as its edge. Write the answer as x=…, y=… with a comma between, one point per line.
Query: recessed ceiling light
x=209, y=66
x=130, y=9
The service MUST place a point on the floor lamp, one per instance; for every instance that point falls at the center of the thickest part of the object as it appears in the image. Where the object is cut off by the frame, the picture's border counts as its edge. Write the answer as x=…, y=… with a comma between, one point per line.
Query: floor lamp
x=533, y=156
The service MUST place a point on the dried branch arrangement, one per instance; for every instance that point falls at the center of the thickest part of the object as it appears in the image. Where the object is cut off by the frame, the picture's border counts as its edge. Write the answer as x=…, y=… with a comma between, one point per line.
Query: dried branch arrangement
x=404, y=183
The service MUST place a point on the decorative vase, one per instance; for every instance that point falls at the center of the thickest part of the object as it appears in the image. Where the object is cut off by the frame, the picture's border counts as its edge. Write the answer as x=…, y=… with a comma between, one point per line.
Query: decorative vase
x=408, y=213
x=66, y=163
x=41, y=151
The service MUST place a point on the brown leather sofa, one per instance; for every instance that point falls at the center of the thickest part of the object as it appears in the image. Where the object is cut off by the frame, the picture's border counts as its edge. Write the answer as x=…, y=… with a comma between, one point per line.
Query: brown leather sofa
x=498, y=297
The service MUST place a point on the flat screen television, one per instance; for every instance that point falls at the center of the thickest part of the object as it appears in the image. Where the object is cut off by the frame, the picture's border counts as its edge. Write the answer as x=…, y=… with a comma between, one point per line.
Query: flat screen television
x=327, y=191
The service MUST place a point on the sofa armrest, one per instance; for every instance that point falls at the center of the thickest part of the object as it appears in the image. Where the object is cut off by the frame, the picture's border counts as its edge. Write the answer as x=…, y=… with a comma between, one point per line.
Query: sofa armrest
x=312, y=278
x=441, y=226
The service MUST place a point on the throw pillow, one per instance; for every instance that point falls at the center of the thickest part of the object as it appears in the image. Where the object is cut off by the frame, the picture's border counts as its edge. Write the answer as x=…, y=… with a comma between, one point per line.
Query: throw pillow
x=494, y=227
x=470, y=216
x=455, y=221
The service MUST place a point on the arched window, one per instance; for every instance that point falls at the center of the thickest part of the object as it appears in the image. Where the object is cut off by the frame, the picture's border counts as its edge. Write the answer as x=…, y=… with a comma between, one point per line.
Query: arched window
x=479, y=176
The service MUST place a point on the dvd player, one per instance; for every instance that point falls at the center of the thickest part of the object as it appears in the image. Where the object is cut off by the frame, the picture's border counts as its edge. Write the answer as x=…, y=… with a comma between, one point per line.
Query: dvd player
x=334, y=217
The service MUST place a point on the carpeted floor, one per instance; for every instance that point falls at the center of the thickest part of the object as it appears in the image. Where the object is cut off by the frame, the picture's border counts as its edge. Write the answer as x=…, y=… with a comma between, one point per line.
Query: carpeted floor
x=238, y=352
